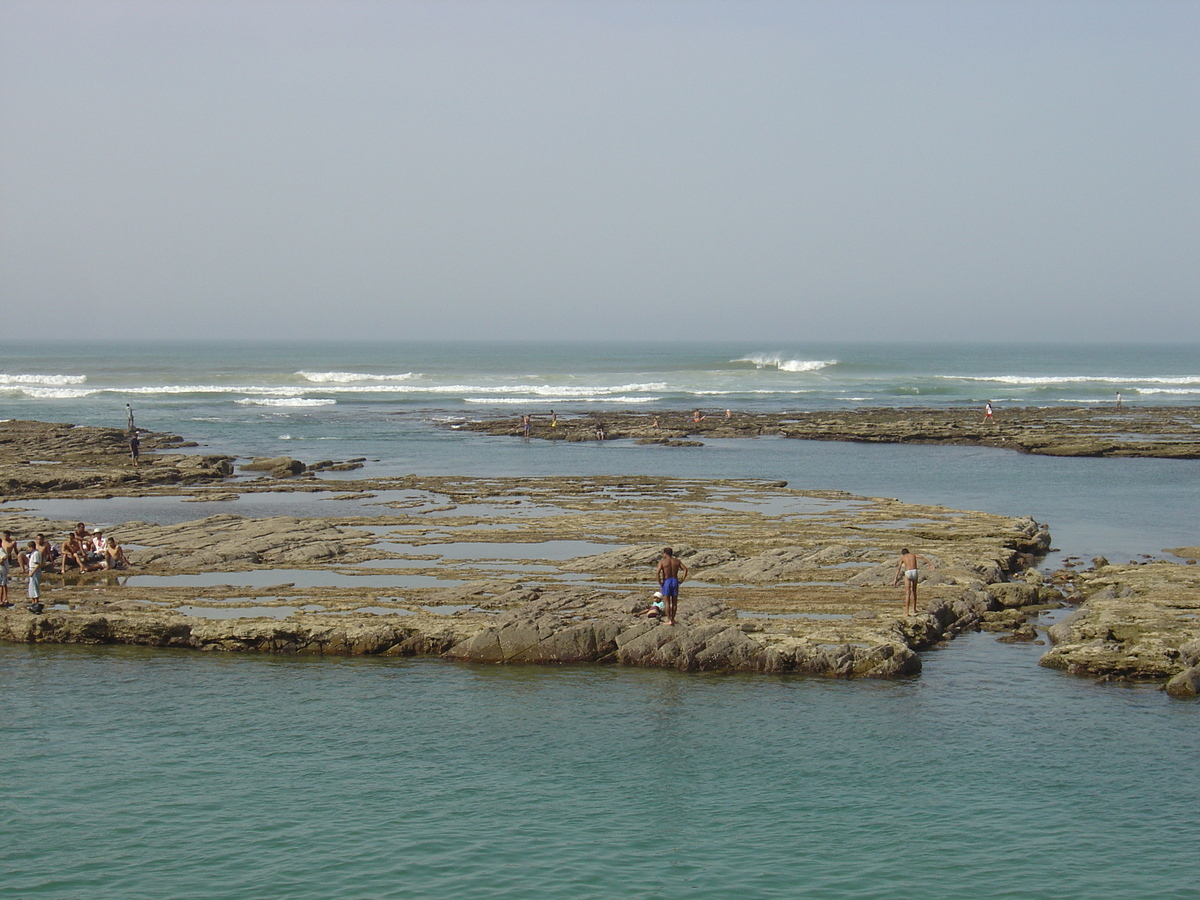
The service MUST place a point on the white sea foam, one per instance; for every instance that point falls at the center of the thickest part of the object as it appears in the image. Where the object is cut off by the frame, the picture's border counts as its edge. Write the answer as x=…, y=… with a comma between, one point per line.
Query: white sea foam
x=285, y=401
x=50, y=393
x=43, y=380
x=1167, y=390
x=269, y=391
x=1073, y=379
x=522, y=401
x=778, y=392
x=561, y=391
x=553, y=391
x=777, y=361
x=353, y=377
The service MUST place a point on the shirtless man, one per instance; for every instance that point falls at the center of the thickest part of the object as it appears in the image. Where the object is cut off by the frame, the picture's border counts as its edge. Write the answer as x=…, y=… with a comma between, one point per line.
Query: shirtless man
x=47, y=551
x=908, y=565
x=8, y=547
x=671, y=572
x=114, y=555
x=72, y=551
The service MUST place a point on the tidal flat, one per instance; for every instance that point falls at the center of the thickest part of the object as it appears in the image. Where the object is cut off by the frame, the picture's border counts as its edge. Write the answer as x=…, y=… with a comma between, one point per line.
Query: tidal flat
x=550, y=570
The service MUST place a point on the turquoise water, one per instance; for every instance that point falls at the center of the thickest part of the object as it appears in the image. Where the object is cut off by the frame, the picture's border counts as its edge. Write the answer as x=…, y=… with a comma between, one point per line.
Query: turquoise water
x=139, y=774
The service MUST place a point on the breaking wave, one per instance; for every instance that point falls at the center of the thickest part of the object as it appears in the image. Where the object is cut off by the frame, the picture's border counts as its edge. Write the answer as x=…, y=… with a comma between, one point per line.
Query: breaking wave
x=49, y=393
x=41, y=380
x=521, y=401
x=1072, y=379
x=777, y=361
x=353, y=377
x=284, y=401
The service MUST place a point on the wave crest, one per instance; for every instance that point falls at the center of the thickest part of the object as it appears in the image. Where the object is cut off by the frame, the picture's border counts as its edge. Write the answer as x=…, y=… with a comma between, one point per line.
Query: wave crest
x=353, y=377
x=42, y=380
x=286, y=402
x=1072, y=379
x=777, y=361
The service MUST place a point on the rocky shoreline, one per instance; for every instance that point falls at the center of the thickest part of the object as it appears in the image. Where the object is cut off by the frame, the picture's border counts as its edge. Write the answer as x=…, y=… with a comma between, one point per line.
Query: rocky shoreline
x=556, y=570
x=1136, y=622
x=1161, y=432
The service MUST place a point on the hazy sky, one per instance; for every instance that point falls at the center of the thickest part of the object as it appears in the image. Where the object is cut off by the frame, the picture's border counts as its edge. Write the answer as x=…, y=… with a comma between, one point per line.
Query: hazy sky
x=745, y=170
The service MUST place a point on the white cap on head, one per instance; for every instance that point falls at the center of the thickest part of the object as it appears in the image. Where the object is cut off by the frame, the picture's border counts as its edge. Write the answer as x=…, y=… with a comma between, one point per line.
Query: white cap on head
x=658, y=595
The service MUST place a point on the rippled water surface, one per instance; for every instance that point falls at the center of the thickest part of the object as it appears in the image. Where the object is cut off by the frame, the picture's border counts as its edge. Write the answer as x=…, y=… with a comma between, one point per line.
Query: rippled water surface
x=127, y=773
x=134, y=773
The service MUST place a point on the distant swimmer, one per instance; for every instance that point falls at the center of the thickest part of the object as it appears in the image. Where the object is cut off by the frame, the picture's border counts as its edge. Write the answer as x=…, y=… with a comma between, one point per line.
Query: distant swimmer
x=671, y=573
x=987, y=413
x=908, y=566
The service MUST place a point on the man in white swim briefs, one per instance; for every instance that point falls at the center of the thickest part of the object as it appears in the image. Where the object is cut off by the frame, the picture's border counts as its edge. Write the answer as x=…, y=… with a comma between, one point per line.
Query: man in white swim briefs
x=908, y=565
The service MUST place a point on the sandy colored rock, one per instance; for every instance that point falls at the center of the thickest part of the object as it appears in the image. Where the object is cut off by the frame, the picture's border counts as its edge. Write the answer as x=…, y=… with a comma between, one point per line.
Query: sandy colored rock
x=1142, y=431
x=808, y=589
x=1138, y=623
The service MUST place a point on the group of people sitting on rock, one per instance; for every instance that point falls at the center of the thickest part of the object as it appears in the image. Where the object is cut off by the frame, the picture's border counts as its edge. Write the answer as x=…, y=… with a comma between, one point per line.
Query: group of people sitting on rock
x=81, y=550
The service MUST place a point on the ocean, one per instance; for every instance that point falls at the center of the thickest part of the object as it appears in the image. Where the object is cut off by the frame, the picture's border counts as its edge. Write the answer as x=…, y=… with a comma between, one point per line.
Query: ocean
x=137, y=773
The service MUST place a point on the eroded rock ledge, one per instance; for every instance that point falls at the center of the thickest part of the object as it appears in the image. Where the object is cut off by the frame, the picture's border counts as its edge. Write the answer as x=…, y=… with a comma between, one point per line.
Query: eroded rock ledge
x=1137, y=623
x=1164, y=432
x=782, y=580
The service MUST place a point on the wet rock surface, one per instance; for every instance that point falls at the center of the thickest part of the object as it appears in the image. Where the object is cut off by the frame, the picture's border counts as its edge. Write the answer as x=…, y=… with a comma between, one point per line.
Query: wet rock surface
x=47, y=459
x=782, y=580
x=1165, y=432
x=1137, y=622
x=551, y=571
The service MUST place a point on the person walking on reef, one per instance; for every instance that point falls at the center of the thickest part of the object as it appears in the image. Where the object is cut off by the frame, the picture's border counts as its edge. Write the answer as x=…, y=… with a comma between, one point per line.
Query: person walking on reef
x=987, y=413
x=671, y=573
x=135, y=449
x=908, y=565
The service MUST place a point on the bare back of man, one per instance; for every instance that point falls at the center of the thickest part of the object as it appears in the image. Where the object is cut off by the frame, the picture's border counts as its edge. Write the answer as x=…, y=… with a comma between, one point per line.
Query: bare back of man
x=671, y=573
x=908, y=566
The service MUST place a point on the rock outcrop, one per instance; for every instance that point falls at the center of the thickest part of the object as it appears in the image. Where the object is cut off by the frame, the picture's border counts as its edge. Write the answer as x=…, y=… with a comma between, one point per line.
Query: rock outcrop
x=1165, y=432
x=1137, y=623
x=809, y=591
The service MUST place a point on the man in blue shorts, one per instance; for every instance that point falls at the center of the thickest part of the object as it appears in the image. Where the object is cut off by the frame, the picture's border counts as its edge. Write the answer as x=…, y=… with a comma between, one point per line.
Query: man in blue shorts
x=671, y=571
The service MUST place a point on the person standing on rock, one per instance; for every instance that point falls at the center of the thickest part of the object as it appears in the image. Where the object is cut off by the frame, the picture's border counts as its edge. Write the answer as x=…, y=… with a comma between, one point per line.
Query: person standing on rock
x=34, y=589
x=4, y=604
x=908, y=566
x=671, y=572
x=987, y=413
x=134, y=449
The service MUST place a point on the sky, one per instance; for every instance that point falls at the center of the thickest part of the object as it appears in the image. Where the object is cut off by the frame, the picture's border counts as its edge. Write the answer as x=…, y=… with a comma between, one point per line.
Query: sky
x=582, y=169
